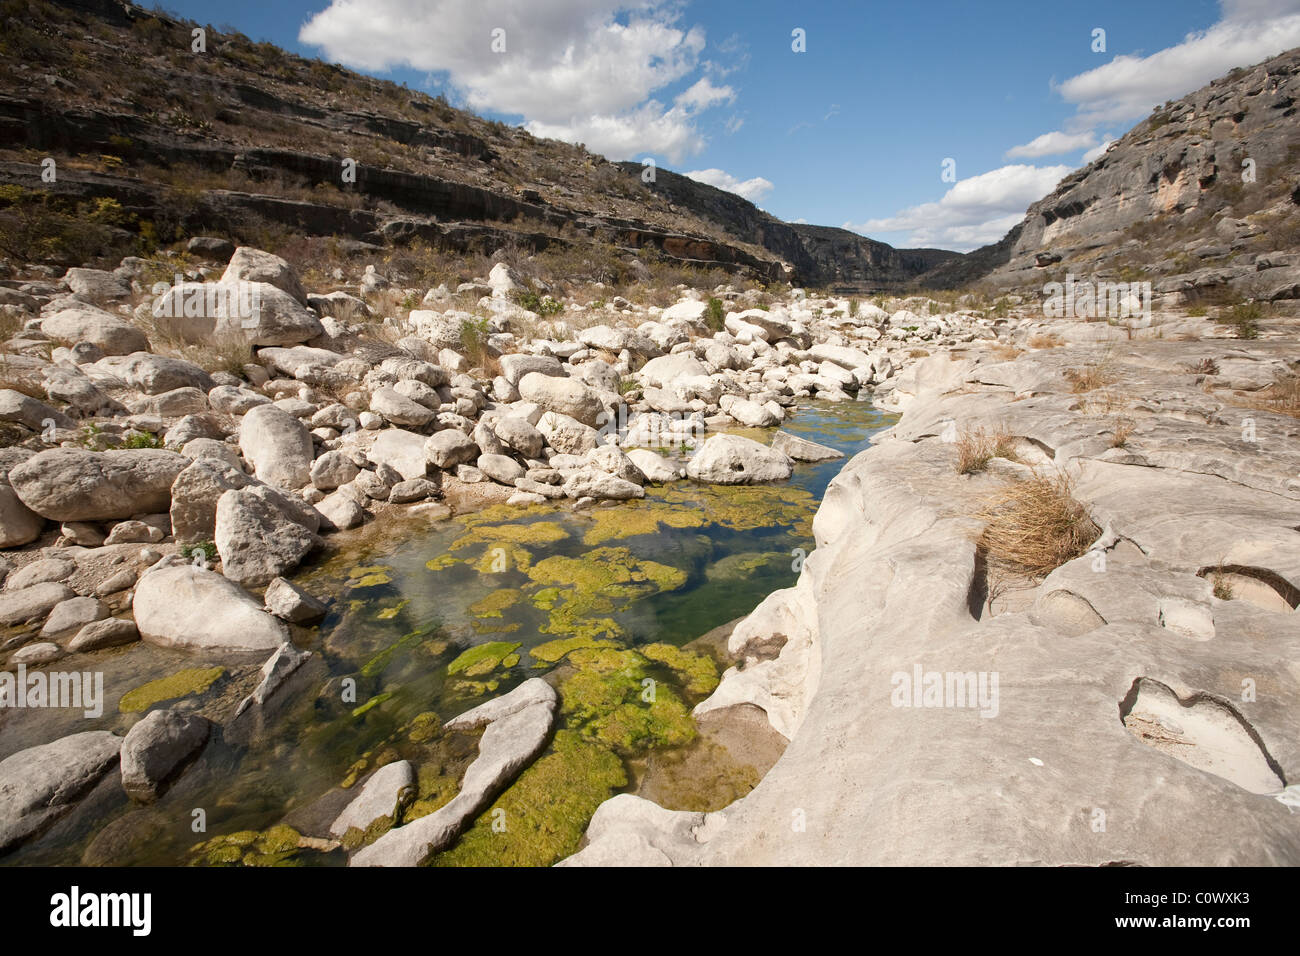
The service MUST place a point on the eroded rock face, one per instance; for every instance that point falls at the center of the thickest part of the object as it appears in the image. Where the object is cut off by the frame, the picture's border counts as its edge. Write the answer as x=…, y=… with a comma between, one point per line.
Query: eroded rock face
x=71, y=484
x=1119, y=671
x=191, y=608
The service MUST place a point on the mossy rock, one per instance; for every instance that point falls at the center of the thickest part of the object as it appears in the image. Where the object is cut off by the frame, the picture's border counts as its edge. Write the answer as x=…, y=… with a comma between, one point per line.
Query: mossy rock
x=485, y=658
x=184, y=683
x=279, y=845
x=547, y=809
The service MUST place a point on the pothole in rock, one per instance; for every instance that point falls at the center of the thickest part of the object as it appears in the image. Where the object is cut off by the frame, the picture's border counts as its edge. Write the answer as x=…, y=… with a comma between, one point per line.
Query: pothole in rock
x=1258, y=586
x=1201, y=731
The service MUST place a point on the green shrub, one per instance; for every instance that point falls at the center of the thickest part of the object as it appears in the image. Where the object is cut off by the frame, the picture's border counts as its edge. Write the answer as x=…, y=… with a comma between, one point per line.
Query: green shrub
x=713, y=315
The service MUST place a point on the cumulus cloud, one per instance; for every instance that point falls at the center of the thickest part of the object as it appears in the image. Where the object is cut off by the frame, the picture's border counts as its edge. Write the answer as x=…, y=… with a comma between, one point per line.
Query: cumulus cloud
x=1126, y=88
x=592, y=71
x=974, y=212
x=1053, y=144
x=1097, y=151
x=751, y=189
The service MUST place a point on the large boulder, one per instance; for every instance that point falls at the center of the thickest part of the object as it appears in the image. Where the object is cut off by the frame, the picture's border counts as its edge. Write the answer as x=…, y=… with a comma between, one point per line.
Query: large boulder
x=157, y=747
x=110, y=334
x=192, y=608
x=400, y=450
x=195, y=493
x=256, y=313
x=733, y=460
x=449, y=448
x=515, y=367
x=277, y=445
x=40, y=784
x=567, y=435
x=31, y=412
x=257, y=537
x=399, y=409
x=800, y=449
x=72, y=484
x=19, y=525
x=663, y=371
x=253, y=265
x=153, y=374
x=564, y=396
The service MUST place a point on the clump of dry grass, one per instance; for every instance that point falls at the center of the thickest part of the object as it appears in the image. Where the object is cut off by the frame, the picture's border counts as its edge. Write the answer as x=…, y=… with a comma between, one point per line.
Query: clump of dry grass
x=976, y=447
x=1121, y=432
x=1035, y=526
x=1006, y=352
x=1089, y=378
x=1049, y=341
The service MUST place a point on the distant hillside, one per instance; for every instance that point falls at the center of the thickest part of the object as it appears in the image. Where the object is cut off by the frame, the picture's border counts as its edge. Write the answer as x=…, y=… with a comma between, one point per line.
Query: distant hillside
x=154, y=141
x=1201, y=197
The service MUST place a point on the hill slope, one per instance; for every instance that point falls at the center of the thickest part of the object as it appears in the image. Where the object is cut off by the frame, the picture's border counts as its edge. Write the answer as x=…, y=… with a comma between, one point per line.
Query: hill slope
x=250, y=141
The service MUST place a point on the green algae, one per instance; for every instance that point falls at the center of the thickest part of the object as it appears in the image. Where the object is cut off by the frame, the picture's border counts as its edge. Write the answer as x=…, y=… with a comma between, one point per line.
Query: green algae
x=279, y=845
x=380, y=661
x=545, y=812
x=485, y=658
x=552, y=651
x=582, y=592
x=388, y=613
x=698, y=673
x=647, y=517
x=184, y=683
x=374, y=580
x=372, y=703
x=441, y=562
x=742, y=564
x=495, y=603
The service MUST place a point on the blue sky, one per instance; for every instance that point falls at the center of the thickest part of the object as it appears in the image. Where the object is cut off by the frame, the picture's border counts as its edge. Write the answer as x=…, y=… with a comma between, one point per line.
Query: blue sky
x=851, y=132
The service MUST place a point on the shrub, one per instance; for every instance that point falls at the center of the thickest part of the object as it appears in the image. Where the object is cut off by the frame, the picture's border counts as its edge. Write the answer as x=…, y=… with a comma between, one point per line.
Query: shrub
x=713, y=315
x=1243, y=319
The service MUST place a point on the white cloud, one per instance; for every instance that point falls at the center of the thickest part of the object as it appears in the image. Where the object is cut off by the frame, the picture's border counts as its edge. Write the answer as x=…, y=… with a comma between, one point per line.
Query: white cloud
x=1053, y=144
x=1097, y=151
x=579, y=70
x=751, y=189
x=1126, y=88
x=974, y=212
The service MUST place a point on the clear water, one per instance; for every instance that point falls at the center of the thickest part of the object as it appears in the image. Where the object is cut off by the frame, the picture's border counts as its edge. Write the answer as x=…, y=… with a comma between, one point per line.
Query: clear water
x=686, y=559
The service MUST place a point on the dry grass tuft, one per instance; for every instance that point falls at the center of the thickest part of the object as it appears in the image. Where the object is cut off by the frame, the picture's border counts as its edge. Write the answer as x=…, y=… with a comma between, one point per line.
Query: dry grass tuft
x=1089, y=378
x=1050, y=341
x=1121, y=432
x=1006, y=352
x=1035, y=526
x=977, y=447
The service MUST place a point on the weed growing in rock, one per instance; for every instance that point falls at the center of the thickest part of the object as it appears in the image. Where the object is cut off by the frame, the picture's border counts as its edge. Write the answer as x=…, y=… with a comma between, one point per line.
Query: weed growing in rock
x=1035, y=526
x=977, y=447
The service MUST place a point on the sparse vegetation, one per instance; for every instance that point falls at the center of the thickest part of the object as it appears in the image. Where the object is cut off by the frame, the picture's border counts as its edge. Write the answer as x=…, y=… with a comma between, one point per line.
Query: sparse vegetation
x=976, y=447
x=1242, y=319
x=1035, y=525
